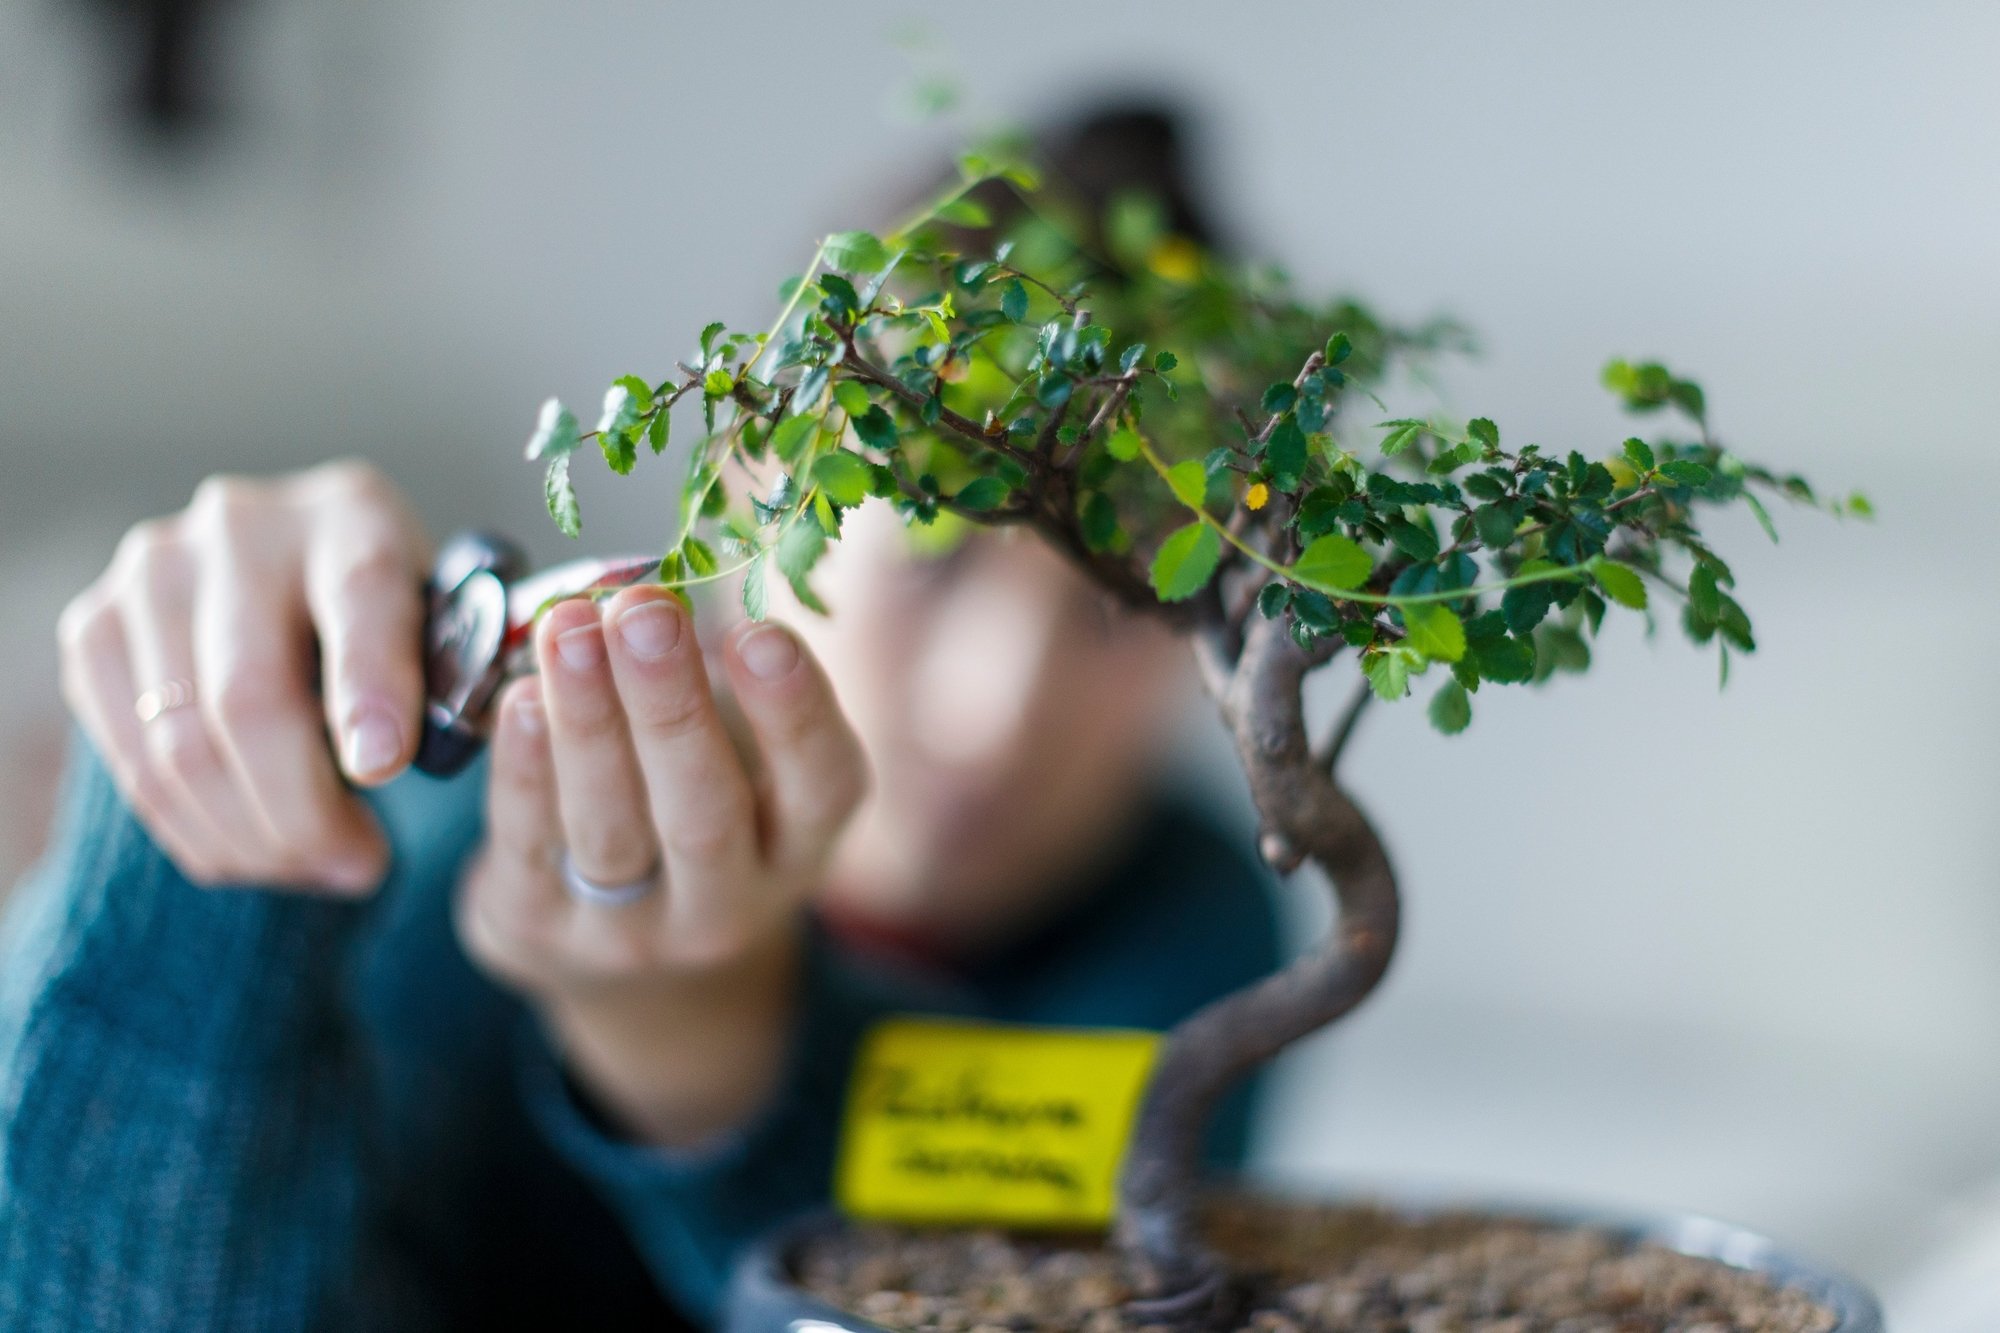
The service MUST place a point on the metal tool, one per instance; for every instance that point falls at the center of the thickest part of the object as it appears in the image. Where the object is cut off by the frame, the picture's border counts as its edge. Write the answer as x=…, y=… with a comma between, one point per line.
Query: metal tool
x=479, y=633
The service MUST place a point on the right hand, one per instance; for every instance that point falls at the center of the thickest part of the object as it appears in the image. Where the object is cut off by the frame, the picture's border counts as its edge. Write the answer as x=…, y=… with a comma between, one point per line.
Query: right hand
x=244, y=596
x=672, y=1009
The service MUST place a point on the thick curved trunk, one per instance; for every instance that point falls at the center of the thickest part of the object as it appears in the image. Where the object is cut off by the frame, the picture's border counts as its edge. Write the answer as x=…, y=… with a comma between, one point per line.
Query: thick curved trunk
x=1305, y=817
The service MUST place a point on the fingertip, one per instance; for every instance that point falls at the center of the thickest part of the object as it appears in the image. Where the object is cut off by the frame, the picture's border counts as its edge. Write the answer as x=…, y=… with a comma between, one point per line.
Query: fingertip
x=376, y=744
x=523, y=718
x=765, y=652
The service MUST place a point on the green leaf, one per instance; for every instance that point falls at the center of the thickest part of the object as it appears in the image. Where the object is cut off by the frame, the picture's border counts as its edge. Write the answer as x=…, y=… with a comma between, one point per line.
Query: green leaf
x=983, y=494
x=1495, y=525
x=756, y=596
x=1188, y=480
x=1014, y=301
x=1621, y=583
x=852, y=396
x=1338, y=349
x=1639, y=454
x=1685, y=472
x=965, y=213
x=1273, y=598
x=843, y=477
x=1451, y=709
x=1484, y=431
x=1435, y=631
x=1523, y=607
x=718, y=382
x=1165, y=361
x=1285, y=454
x=1402, y=434
x=699, y=556
x=1763, y=516
x=1280, y=397
x=1099, y=522
x=876, y=428
x=1185, y=562
x=555, y=432
x=620, y=450
x=1333, y=561
x=1388, y=674
x=1415, y=540
x=1703, y=593
x=1124, y=444
x=791, y=436
x=799, y=549
x=1860, y=506
x=856, y=252
x=656, y=433
x=560, y=494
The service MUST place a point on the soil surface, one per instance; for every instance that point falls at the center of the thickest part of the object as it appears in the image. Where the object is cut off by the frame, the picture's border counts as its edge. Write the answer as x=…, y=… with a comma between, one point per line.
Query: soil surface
x=1306, y=1268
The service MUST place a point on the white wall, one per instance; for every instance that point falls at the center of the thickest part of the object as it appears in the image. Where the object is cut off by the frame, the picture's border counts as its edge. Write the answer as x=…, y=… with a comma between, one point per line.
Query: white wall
x=1732, y=951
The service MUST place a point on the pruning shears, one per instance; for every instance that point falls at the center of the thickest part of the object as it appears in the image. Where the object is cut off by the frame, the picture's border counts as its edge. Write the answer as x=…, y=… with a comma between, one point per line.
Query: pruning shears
x=479, y=632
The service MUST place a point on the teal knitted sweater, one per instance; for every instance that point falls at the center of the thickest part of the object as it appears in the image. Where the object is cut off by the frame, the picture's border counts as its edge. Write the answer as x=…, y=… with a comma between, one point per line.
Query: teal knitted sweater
x=230, y=1109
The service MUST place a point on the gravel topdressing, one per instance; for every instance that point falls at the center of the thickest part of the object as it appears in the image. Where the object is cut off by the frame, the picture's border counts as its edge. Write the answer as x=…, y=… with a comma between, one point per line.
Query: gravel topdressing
x=1309, y=1269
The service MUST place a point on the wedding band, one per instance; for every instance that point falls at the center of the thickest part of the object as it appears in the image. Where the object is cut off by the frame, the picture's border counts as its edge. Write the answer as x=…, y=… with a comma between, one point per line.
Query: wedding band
x=163, y=698
x=587, y=890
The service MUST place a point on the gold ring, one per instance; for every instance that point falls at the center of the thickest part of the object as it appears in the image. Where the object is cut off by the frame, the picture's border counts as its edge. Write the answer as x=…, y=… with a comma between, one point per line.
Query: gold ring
x=163, y=698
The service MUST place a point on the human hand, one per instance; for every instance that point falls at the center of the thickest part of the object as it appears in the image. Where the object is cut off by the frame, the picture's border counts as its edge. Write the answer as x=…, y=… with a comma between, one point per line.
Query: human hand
x=671, y=1006
x=191, y=663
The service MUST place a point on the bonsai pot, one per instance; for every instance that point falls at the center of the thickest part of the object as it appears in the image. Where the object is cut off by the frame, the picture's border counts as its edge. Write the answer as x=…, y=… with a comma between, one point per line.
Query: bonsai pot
x=767, y=1297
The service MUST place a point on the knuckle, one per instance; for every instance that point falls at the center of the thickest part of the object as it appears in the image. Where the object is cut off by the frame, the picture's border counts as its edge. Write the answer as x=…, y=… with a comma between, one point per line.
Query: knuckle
x=703, y=840
x=180, y=747
x=248, y=698
x=712, y=945
x=669, y=712
x=620, y=853
x=223, y=500
x=141, y=547
x=351, y=478
x=81, y=626
x=368, y=567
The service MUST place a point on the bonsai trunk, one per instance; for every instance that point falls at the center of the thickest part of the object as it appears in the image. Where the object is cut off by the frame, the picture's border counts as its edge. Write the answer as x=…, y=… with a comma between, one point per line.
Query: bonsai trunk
x=1304, y=816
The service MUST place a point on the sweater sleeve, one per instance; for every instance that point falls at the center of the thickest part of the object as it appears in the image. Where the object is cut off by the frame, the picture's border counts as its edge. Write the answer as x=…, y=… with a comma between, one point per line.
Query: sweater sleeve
x=177, y=1136
x=691, y=1211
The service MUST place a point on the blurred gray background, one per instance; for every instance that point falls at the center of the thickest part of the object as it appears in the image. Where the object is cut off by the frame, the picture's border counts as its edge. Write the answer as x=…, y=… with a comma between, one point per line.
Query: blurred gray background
x=1737, y=952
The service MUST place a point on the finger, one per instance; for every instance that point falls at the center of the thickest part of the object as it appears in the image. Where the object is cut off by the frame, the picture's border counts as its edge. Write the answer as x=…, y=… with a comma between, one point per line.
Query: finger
x=514, y=899
x=815, y=773
x=700, y=800
x=600, y=790
x=97, y=684
x=364, y=587
x=154, y=614
x=252, y=651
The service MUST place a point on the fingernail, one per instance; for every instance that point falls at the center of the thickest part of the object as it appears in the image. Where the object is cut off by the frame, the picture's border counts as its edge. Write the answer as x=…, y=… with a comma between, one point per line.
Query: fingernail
x=374, y=743
x=650, y=629
x=581, y=648
x=528, y=715
x=769, y=651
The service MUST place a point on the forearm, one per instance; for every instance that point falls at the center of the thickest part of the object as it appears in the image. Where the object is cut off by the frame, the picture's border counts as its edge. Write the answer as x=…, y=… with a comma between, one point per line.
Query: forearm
x=180, y=1129
x=677, y=1060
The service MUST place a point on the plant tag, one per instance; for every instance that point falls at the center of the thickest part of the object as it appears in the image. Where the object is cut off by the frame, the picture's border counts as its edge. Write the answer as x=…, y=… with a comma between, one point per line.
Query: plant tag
x=956, y=1121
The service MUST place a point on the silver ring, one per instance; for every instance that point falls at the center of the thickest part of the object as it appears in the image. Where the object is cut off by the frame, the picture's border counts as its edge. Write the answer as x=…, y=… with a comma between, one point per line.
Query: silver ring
x=163, y=698
x=587, y=890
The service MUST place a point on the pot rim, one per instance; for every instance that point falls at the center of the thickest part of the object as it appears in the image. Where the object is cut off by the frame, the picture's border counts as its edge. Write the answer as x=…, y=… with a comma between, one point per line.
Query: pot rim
x=763, y=1283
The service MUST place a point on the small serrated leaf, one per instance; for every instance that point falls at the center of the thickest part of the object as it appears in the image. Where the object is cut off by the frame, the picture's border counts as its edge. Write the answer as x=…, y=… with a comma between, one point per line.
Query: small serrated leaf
x=560, y=494
x=1185, y=562
x=1333, y=561
x=1451, y=709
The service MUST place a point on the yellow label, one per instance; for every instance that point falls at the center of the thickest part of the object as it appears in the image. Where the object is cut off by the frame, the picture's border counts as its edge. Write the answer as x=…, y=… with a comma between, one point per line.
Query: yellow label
x=952, y=1121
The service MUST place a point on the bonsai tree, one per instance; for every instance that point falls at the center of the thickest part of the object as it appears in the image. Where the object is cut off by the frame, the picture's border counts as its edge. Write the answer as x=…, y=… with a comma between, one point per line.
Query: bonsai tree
x=1199, y=439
